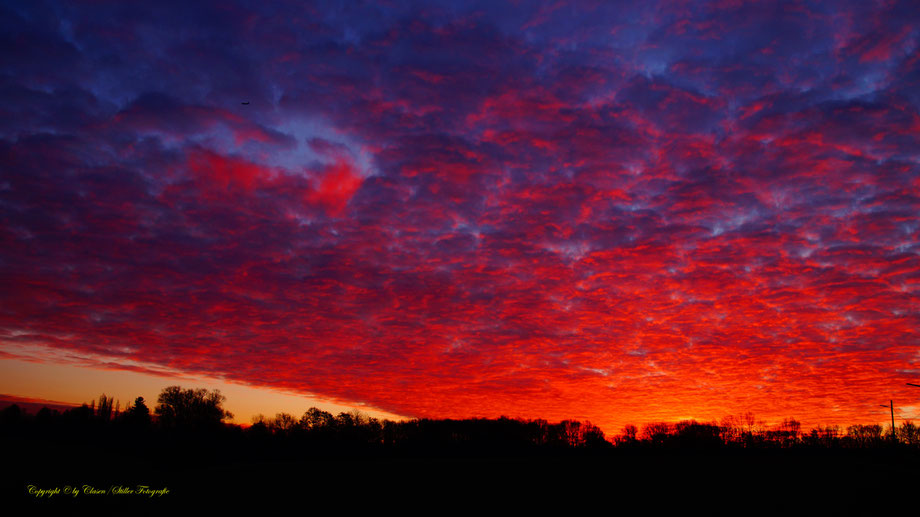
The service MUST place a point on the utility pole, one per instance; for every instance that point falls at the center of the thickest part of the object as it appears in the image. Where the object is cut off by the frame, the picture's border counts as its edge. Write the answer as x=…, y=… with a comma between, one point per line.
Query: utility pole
x=891, y=406
x=894, y=437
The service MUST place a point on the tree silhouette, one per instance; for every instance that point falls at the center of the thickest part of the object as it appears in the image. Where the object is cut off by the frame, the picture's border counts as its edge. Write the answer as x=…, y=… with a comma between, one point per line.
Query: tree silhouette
x=11, y=416
x=191, y=408
x=315, y=418
x=629, y=436
x=138, y=415
x=105, y=407
x=283, y=423
x=656, y=432
x=908, y=433
x=690, y=434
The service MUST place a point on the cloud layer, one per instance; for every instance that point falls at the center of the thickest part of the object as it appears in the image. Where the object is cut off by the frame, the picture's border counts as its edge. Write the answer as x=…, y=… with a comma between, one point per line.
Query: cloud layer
x=620, y=213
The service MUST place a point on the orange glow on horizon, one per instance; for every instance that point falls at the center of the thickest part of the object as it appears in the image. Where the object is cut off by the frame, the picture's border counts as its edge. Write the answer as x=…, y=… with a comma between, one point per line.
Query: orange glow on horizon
x=78, y=384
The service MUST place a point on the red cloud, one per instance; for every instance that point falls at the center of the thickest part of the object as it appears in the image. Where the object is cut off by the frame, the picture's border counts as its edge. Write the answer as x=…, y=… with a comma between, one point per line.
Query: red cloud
x=337, y=183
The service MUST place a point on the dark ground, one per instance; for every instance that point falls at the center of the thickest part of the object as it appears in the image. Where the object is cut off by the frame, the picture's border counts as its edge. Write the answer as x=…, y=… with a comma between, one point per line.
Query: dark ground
x=745, y=482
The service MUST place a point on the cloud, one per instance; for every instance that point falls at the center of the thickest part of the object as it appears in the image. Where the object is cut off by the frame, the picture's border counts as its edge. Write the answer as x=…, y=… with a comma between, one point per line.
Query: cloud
x=472, y=211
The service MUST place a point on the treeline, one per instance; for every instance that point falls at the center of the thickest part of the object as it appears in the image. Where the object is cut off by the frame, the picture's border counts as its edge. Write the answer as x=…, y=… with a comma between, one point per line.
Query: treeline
x=195, y=420
x=744, y=432
x=197, y=416
x=190, y=409
x=470, y=435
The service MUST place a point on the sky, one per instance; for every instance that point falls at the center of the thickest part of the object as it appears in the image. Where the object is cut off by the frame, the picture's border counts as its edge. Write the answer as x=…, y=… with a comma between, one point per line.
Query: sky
x=621, y=212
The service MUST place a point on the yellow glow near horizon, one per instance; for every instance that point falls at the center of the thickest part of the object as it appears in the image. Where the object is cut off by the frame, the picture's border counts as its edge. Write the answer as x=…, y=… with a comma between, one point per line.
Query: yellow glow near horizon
x=77, y=384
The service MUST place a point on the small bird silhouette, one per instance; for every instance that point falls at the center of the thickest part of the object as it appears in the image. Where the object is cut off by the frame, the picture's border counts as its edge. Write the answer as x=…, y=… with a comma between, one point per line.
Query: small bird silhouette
x=245, y=103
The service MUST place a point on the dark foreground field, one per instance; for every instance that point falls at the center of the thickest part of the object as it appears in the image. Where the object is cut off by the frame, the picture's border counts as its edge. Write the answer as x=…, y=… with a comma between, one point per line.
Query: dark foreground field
x=87, y=461
x=617, y=482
